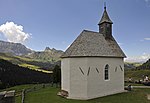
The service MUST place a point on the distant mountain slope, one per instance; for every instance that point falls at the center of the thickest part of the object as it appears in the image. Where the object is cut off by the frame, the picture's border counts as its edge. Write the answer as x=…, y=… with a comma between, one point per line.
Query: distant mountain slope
x=28, y=62
x=46, y=55
x=14, y=48
x=21, y=50
x=145, y=65
x=20, y=55
x=128, y=65
x=11, y=75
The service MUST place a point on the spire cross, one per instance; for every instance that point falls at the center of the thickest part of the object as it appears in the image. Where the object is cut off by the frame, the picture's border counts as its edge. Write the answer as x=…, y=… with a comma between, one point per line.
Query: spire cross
x=105, y=5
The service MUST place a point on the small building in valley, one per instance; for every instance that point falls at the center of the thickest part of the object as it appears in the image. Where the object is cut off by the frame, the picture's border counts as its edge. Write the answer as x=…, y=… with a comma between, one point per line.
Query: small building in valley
x=93, y=65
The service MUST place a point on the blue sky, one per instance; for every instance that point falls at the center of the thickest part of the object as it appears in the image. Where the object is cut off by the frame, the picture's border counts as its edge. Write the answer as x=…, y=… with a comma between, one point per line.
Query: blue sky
x=56, y=23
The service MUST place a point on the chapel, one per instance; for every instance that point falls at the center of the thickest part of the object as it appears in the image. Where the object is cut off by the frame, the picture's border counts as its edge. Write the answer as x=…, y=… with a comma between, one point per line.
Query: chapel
x=93, y=65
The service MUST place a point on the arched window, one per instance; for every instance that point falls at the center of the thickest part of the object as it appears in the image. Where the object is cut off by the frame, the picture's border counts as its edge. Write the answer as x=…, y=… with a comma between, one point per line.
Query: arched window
x=106, y=73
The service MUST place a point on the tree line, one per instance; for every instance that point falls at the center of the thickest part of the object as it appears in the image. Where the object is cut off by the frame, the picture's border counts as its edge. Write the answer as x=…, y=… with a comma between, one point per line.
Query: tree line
x=11, y=75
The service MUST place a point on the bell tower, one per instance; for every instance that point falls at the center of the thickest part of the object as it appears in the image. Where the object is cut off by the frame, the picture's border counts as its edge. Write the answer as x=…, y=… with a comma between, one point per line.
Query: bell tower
x=105, y=25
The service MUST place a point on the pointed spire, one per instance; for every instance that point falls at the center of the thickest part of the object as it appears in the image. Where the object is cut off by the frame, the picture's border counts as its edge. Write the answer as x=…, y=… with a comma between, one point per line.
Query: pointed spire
x=104, y=5
x=105, y=17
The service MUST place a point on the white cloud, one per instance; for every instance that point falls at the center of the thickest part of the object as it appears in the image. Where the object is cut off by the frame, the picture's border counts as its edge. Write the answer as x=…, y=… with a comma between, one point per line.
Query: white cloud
x=14, y=32
x=146, y=38
x=144, y=57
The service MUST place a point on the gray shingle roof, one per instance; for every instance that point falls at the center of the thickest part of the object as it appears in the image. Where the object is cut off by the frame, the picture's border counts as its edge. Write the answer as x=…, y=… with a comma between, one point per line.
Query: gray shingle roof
x=105, y=18
x=93, y=44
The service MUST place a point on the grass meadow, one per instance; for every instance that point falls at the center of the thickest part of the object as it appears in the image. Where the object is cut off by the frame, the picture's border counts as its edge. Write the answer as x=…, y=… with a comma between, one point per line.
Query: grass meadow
x=49, y=95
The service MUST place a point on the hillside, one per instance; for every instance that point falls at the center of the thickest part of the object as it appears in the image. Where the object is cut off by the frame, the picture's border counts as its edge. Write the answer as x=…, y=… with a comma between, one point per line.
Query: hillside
x=11, y=75
x=136, y=74
x=14, y=48
x=46, y=55
x=17, y=49
x=145, y=65
x=128, y=66
x=28, y=62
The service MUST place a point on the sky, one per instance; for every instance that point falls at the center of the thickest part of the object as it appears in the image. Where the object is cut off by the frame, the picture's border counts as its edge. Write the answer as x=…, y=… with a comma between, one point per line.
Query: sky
x=56, y=23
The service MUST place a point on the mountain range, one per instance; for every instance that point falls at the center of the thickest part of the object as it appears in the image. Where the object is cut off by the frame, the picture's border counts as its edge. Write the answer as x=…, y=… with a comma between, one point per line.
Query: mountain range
x=14, y=48
x=46, y=55
x=21, y=50
x=19, y=54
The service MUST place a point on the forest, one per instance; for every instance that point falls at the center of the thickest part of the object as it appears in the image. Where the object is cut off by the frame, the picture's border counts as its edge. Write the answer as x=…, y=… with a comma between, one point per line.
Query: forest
x=11, y=75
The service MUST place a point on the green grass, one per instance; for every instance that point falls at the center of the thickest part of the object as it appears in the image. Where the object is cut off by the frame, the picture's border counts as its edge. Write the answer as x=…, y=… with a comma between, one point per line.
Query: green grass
x=23, y=58
x=48, y=95
x=18, y=59
x=18, y=90
x=33, y=67
x=21, y=61
x=136, y=74
x=18, y=99
x=29, y=66
x=20, y=87
x=134, y=84
x=5, y=58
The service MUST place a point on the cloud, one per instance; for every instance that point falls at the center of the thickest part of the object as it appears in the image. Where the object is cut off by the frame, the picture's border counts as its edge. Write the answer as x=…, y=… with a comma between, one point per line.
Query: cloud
x=14, y=33
x=146, y=38
x=144, y=57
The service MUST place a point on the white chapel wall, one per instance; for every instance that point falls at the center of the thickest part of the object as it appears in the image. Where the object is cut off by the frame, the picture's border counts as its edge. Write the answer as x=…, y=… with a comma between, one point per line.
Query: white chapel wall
x=97, y=85
x=65, y=74
x=82, y=83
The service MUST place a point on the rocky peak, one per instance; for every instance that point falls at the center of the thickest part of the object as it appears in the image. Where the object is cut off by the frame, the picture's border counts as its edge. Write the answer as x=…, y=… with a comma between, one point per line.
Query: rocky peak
x=47, y=49
x=14, y=48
